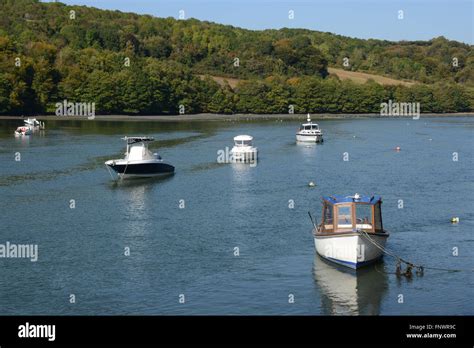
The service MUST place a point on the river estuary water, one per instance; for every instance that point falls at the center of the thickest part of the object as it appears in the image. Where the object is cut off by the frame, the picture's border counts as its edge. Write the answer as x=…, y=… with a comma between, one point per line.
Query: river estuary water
x=225, y=238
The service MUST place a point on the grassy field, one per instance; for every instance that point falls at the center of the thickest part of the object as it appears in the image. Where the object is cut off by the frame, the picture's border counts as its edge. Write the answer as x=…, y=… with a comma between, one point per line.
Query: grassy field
x=223, y=80
x=357, y=77
x=360, y=77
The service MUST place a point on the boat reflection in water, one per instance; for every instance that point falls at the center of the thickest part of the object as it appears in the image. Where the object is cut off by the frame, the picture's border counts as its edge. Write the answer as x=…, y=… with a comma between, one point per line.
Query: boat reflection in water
x=345, y=291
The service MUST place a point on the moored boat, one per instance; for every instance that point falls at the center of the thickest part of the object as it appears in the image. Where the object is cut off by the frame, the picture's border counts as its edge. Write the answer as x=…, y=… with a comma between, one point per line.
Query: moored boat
x=309, y=132
x=22, y=131
x=351, y=231
x=139, y=161
x=34, y=123
x=243, y=150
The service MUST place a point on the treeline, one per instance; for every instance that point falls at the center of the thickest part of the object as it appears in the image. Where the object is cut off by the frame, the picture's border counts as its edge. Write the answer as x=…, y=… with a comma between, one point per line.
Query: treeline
x=137, y=64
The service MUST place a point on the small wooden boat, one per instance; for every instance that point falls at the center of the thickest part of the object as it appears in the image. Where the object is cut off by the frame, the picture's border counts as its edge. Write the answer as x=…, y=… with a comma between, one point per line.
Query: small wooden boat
x=351, y=231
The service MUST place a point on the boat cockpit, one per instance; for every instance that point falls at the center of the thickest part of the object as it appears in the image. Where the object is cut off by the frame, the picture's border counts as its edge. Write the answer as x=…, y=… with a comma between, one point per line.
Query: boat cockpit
x=309, y=127
x=243, y=140
x=349, y=213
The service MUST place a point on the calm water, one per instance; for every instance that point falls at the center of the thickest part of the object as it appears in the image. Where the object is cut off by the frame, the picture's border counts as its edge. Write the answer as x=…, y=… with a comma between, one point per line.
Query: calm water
x=190, y=251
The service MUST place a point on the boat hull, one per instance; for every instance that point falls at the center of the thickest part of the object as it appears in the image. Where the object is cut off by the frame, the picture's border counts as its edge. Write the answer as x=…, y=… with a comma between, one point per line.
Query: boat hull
x=140, y=170
x=309, y=138
x=21, y=131
x=244, y=155
x=350, y=249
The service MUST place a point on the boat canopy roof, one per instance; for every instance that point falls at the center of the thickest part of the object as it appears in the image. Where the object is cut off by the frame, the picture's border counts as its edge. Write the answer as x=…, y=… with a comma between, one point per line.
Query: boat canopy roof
x=133, y=140
x=243, y=138
x=337, y=199
x=310, y=124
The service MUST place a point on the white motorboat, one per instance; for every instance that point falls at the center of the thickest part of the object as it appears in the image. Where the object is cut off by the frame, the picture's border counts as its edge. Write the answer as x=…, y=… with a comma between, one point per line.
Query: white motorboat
x=309, y=132
x=351, y=232
x=139, y=161
x=22, y=131
x=33, y=122
x=243, y=150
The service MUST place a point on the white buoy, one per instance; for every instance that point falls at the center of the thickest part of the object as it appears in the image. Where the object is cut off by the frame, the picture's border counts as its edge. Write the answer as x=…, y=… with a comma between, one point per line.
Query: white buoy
x=455, y=220
x=311, y=184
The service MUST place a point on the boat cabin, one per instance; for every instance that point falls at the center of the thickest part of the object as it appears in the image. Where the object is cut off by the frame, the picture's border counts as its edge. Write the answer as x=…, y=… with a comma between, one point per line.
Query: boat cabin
x=243, y=140
x=349, y=213
x=137, y=148
x=309, y=126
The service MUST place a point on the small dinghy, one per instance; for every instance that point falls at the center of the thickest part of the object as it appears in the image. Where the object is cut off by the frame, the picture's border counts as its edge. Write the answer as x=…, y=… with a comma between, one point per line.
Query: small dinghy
x=351, y=232
x=139, y=161
x=22, y=131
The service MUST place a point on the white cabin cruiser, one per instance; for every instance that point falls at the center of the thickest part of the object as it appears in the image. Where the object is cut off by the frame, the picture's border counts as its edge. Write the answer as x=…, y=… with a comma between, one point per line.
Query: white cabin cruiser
x=351, y=232
x=243, y=151
x=139, y=161
x=23, y=130
x=309, y=132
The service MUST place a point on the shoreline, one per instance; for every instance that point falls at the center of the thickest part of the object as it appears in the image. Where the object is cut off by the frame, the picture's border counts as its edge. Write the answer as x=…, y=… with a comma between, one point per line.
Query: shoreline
x=223, y=117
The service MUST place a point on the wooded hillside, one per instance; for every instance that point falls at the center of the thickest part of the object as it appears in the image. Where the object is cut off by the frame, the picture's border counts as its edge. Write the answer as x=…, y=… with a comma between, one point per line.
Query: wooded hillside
x=139, y=64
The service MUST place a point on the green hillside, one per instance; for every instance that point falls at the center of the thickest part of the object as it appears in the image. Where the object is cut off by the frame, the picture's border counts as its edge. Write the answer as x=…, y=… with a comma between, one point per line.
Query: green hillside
x=138, y=64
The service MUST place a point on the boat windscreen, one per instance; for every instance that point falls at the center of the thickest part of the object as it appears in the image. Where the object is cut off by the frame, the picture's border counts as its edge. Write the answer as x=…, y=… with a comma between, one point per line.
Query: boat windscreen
x=344, y=216
x=364, y=215
x=133, y=140
x=328, y=218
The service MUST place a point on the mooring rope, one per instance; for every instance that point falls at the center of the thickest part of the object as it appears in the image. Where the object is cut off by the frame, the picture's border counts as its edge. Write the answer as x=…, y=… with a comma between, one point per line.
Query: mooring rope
x=124, y=171
x=108, y=169
x=410, y=265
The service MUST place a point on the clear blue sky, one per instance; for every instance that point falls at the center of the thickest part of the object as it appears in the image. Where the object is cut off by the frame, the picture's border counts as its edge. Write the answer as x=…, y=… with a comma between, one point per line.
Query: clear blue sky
x=423, y=19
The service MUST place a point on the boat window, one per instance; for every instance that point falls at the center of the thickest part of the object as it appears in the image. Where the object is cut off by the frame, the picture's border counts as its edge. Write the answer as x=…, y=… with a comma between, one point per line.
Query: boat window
x=307, y=127
x=328, y=218
x=378, y=217
x=344, y=216
x=243, y=142
x=364, y=216
x=315, y=127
